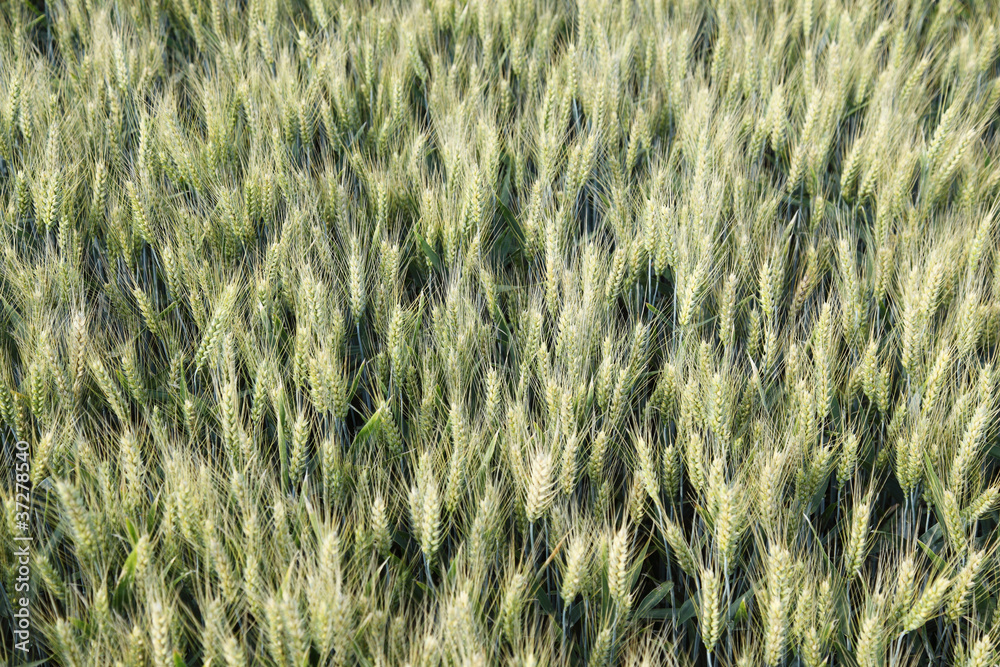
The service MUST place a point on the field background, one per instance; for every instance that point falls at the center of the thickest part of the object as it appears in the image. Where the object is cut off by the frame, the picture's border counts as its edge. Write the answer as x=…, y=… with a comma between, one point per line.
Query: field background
x=510, y=332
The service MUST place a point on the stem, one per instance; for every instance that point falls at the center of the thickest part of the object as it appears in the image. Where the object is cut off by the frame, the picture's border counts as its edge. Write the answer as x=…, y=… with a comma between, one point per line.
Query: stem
x=614, y=634
x=649, y=276
x=897, y=648
x=729, y=602
x=364, y=371
x=563, y=647
x=548, y=571
x=839, y=490
x=670, y=571
x=673, y=312
x=947, y=643
x=531, y=532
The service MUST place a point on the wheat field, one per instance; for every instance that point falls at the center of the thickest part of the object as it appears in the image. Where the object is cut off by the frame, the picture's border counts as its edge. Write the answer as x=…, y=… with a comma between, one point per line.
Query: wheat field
x=527, y=332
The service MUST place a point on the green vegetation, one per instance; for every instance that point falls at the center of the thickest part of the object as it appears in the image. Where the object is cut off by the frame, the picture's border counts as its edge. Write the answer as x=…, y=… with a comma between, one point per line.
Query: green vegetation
x=509, y=332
